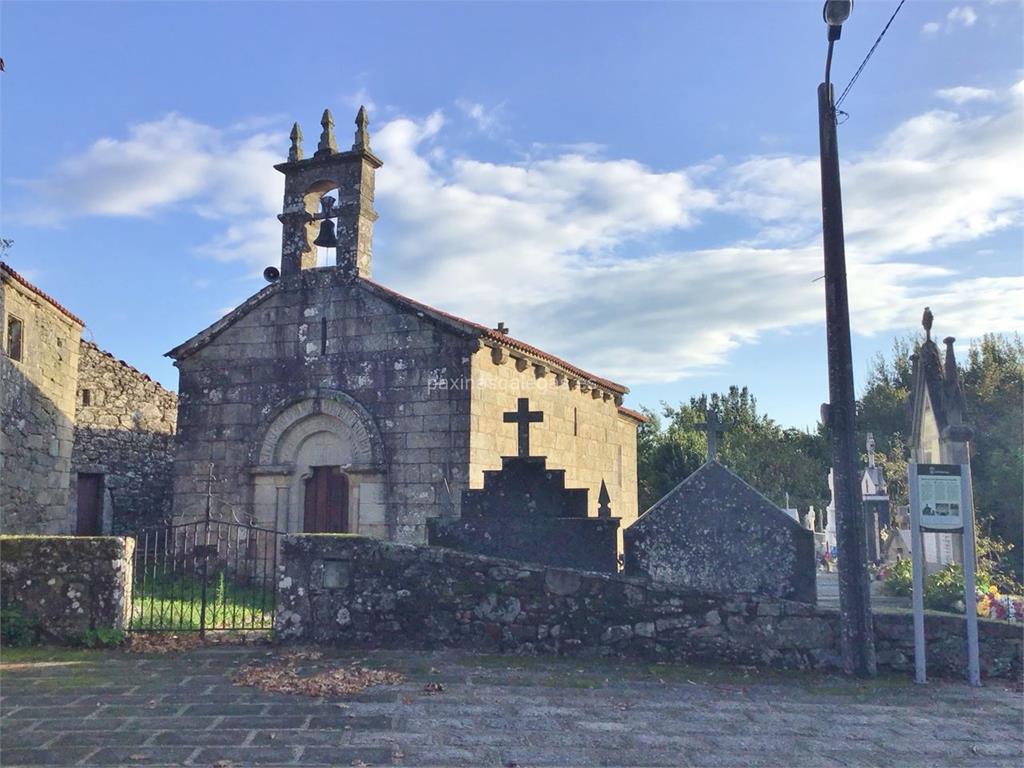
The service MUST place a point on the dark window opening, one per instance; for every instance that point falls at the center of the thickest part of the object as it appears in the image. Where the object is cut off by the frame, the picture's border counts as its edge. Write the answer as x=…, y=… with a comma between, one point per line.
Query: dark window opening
x=86, y=397
x=323, y=335
x=90, y=504
x=575, y=422
x=15, y=340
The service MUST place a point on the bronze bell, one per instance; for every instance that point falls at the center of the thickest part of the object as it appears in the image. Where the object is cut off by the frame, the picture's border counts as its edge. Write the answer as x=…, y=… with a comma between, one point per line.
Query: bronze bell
x=327, y=238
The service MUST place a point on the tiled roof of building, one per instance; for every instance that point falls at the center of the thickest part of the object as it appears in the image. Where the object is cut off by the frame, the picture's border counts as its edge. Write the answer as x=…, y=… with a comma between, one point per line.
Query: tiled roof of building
x=505, y=340
x=633, y=414
x=6, y=269
x=454, y=322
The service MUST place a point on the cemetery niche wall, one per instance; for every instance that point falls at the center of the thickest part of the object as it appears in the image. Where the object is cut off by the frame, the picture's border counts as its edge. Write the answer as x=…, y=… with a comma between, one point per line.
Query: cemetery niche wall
x=525, y=512
x=715, y=532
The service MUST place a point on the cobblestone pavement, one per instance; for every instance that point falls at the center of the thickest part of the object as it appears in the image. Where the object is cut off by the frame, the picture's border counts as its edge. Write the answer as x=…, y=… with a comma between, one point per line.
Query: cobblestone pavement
x=113, y=708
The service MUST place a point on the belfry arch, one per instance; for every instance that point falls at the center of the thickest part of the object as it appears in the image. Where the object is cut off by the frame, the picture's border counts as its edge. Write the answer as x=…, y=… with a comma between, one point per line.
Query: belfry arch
x=319, y=431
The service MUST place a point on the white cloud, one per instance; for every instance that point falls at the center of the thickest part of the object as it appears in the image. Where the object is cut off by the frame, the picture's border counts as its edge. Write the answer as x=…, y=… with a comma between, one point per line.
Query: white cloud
x=963, y=15
x=361, y=98
x=486, y=119
x=579, y=253
x=962, y=94
x=958, y=16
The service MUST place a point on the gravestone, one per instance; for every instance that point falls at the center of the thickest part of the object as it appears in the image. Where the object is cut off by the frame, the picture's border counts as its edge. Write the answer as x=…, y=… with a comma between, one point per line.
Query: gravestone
x=713, y=531
x=525, y=512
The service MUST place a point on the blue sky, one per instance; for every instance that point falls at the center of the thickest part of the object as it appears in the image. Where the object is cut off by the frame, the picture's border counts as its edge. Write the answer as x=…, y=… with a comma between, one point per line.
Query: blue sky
x=632, y=186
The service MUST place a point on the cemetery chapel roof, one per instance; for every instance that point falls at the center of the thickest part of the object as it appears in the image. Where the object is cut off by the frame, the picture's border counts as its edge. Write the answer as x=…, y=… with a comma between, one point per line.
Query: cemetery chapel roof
x=714, y=488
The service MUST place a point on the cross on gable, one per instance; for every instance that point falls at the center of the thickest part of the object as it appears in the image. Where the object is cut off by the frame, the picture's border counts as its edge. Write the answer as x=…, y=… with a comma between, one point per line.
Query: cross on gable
x=523, y=417
x=713, y=426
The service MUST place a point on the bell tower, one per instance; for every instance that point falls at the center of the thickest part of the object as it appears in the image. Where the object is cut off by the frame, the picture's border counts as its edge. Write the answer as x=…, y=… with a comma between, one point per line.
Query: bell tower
x=309, y=213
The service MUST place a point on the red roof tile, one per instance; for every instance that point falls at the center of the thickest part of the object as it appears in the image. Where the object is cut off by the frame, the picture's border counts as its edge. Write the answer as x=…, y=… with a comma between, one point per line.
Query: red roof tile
x=507, y=341
x=42, y=294
x=633, y=414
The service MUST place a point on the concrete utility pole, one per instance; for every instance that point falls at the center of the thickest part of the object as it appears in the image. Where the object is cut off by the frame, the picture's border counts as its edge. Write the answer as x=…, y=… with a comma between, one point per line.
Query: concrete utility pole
x=855, y=620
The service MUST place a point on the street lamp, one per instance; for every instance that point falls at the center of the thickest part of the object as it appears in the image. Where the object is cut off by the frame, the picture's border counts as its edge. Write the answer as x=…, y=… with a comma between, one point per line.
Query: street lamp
x=856, y=626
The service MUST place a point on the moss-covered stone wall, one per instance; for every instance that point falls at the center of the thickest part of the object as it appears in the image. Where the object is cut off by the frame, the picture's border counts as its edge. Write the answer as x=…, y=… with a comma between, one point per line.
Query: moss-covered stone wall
x=64, y=586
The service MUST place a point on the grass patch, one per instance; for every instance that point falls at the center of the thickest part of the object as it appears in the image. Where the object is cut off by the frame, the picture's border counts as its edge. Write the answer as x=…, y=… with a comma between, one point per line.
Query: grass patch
x=41, y=654
x=174, y=602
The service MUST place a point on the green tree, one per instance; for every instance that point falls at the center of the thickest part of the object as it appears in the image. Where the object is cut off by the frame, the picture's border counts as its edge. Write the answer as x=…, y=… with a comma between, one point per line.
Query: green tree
x=993, y=384
x=992, y=378
x=773, y=460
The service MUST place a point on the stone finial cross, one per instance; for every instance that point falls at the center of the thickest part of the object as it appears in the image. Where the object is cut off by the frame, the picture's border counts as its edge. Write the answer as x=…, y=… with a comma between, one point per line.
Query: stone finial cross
x=926, y=322
x=604, y=508
x=327, y=145
x=502, y=329
x=714, y=427
x=295, y=152
x=523, y=417
x=362, y=130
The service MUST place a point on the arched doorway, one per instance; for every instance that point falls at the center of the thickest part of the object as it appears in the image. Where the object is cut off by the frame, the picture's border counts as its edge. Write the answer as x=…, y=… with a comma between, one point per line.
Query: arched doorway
x=318, y=468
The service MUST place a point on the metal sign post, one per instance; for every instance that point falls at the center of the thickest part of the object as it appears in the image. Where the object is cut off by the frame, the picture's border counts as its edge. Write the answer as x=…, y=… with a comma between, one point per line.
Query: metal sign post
x=941, y=501
x=917, y=565
x=970, y=594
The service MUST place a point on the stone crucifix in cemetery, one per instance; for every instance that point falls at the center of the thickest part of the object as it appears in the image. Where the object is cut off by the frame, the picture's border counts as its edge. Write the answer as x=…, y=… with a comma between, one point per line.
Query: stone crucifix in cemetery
x=523, y=417
x=714, y=427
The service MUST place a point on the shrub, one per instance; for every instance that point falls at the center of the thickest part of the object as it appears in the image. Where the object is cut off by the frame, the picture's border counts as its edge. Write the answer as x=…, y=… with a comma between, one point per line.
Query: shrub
x=944, y=590
x=102, y=637
x=899, y=581
x=15, y=629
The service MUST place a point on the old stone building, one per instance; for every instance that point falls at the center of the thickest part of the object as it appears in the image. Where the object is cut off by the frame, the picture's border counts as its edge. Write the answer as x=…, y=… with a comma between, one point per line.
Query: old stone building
x=715, y=532
x=328, y=402
x=86, y=441
x=124, y=442
x=38, y=385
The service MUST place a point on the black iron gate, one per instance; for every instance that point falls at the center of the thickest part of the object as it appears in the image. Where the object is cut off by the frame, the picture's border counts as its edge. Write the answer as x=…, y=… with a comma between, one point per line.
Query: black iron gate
x=205, y=575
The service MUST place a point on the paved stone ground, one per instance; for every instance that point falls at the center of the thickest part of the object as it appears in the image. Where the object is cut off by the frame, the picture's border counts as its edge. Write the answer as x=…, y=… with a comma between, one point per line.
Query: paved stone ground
x=113, y=708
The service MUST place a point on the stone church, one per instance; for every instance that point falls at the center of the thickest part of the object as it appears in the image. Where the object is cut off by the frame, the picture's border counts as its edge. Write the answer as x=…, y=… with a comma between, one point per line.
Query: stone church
x=328, y=402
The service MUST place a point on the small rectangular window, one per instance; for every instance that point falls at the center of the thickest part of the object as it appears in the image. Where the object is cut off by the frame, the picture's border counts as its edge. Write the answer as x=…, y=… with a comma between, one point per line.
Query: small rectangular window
x=15, y=330
x=575, y=422
x=86, y=397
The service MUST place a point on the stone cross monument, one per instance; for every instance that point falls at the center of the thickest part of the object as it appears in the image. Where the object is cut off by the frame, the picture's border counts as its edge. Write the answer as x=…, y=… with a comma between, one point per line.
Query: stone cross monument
x=714, y=427
x=523, y=417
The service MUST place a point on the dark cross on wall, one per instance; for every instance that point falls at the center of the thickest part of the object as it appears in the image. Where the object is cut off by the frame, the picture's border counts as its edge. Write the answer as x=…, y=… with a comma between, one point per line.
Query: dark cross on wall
x=714, y=427
x=524, y=417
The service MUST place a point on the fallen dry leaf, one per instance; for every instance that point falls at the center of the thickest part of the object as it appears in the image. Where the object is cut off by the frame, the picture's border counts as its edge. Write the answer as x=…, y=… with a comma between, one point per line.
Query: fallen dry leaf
x=283, y=676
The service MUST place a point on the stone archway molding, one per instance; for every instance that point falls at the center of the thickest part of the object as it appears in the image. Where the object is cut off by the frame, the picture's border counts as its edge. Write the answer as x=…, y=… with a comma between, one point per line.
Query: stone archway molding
x=315, y=410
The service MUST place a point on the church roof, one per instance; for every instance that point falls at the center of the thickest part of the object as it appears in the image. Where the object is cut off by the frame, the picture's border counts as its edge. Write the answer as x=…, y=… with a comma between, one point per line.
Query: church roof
x=454, y=322
x=623, y=410
x=6, y=269
x=713, y=489
x=496, y=336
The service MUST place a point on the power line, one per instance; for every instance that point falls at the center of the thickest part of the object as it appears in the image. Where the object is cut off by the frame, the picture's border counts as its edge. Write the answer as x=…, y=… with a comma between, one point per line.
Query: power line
x=866, y=58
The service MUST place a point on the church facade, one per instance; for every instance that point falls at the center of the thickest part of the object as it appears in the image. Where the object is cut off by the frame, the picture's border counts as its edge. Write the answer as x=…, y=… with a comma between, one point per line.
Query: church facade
x=327, y=402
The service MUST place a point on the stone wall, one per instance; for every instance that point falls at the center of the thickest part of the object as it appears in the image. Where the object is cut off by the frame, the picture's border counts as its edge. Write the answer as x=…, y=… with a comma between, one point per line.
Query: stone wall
x=582, y=433
x=37, y=408
x=356, y=591
x=124, y=430
x=67, y=585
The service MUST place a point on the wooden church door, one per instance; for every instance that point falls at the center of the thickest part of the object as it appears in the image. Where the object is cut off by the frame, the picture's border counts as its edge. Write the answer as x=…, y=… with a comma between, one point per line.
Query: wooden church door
x=326, y=505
